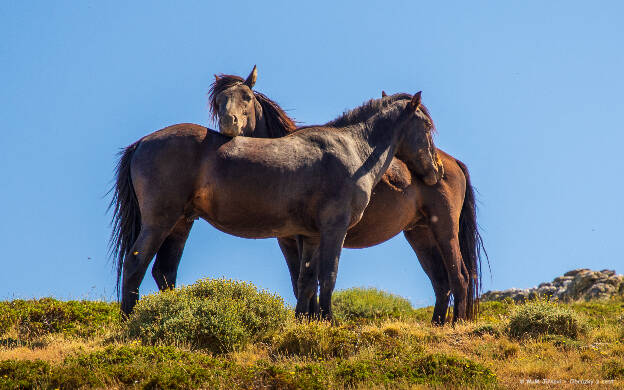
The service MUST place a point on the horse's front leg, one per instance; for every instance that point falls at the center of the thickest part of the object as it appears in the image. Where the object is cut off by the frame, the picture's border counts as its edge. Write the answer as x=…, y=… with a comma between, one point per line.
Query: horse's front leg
x=330, y=247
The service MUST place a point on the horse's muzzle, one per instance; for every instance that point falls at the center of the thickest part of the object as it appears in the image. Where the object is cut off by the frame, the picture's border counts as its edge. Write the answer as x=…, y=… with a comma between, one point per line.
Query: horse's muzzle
x=230, y=126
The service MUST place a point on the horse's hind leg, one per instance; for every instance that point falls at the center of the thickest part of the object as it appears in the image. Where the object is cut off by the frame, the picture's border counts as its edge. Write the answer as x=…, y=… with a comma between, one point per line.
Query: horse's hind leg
x=307, y=281
x=423, y=243
x=319, y=264
x=135, y=264
x=445, y=234
x=290, y=251
x=291, y=248
x=165, y=269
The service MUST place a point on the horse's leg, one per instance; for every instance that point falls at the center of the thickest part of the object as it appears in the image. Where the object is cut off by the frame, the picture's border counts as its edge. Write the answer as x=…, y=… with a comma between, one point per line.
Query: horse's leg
x=136, y=263
x=423, y=243
x=307, y=282
x=165, y=269
x=291, y=248
x=445, y=233
x=332, y=239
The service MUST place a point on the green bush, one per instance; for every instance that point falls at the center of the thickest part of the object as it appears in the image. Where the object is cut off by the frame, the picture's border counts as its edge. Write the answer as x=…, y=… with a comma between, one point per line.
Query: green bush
x=23, y=374
x=215, y=315
x=35, y=318
x=540, y=318
x=369, y=304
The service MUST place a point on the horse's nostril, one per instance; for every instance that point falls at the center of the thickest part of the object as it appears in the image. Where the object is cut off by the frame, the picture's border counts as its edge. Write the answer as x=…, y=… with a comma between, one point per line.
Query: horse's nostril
x=234, y=120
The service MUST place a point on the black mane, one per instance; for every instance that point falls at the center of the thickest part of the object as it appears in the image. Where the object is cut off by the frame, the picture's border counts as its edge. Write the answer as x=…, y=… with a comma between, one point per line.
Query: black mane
x=372, y=107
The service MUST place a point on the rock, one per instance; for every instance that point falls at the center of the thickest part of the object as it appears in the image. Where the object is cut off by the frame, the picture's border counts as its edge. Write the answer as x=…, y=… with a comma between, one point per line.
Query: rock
x=580, y=283
x=615, y=280
x=599, y=291
x=559, y=280
x=547, y=291
x=575, y=271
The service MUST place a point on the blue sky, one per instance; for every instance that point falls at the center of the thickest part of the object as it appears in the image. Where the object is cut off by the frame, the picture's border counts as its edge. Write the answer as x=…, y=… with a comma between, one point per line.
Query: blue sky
x=529, y=95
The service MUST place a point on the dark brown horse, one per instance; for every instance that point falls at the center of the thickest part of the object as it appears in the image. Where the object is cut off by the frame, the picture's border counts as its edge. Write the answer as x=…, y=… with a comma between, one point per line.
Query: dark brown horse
x=314, y=184
x=438, y=221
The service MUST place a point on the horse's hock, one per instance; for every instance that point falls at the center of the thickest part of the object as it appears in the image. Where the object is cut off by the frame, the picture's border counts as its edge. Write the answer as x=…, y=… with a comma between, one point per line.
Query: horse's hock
x=577, y=284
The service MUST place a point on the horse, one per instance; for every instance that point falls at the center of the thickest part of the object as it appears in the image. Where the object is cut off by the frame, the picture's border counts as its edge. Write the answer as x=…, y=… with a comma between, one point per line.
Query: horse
x=314, y=184
x=439, y=221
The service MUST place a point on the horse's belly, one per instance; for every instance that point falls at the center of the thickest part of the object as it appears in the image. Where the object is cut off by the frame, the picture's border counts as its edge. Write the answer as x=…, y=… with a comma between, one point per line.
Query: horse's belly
x=389, y=211
x=252, y=225
x=246, y=216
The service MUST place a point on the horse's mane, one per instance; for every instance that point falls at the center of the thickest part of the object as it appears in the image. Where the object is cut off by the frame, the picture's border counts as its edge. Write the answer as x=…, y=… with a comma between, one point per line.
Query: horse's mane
x=278, y=122
x=372, y=107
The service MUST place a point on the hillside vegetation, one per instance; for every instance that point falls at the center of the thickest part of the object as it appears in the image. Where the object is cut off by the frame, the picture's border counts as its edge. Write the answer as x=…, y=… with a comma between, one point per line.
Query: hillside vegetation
x=222, y=334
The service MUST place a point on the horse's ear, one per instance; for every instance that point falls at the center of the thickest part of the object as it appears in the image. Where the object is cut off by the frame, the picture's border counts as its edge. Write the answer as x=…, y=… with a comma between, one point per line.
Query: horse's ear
x=383, y=94
x=216, y=77
x=415, y=102
x=251, y=79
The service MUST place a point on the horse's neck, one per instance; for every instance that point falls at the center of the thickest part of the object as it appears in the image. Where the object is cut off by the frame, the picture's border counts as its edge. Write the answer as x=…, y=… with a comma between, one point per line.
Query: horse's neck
x=378, y=145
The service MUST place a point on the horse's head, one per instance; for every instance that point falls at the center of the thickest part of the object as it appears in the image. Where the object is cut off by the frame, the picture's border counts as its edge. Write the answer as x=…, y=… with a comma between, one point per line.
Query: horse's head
x=417, y=149
x=242, y=111
x=233, y=102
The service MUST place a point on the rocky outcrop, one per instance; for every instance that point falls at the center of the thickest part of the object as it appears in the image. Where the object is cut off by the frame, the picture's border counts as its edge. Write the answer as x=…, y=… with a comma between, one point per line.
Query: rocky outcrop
x=573, y=285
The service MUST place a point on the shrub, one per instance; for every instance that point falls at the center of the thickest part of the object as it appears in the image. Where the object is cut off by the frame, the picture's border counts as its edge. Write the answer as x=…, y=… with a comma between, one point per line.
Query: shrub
x=35, y=318
x=23, y=374
x=216, y=315
x=543, y=318
x=369, y=304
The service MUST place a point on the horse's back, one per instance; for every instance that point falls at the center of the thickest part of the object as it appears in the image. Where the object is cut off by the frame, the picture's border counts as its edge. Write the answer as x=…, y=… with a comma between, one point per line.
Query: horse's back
x=167, y=163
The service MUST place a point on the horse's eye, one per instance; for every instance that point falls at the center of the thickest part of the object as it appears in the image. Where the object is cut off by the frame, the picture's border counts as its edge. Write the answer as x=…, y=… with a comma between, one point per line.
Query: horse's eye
x=246, y=98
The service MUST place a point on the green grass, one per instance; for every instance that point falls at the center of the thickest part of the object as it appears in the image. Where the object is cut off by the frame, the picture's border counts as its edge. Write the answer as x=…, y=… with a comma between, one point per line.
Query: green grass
x=31, y=319
x=170, y=343
x=369, y=304
x=168, y=367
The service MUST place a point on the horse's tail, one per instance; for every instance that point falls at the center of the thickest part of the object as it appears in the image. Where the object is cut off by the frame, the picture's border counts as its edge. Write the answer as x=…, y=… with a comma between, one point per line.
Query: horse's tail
x=471, y=245
x=126, y=220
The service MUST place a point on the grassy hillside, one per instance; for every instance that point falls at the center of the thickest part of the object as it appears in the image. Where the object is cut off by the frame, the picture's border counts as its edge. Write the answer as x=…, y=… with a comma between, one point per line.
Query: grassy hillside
x=377, y=342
